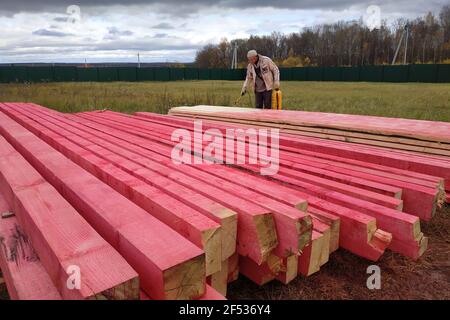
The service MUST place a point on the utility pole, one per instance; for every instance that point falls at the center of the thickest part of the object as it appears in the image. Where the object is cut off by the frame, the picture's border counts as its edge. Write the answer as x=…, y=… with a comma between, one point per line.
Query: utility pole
x=139, y=61
x=234, y=58
x=404, y=32
x=85, y=62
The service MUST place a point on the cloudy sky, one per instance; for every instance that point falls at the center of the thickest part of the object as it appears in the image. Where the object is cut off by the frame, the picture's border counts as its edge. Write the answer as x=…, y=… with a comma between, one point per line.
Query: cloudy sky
x=165, y=30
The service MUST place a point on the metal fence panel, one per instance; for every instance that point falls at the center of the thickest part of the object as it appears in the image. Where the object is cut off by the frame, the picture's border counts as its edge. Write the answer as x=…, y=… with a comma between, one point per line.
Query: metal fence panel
x=87, y=74
x=371, y=73
x=443, y=73
x=145, y=74
x=216, y=74
x=40, y=74
x=176, y=74
x=423, y=73
x=162, y=74
x=350, y=73
x=315, y=73
x=191, y=74
x=332, y=74
x=65, y=74
x=204, y=74
x=128, y=74
x=395, y=73
x=286, y=74
x=299, y=74
x=107, y=74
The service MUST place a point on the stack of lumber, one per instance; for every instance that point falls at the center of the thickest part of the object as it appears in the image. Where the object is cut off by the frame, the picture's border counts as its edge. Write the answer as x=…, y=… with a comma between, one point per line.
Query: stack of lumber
x=184, y=231
x=423, y=141
x=430, y=137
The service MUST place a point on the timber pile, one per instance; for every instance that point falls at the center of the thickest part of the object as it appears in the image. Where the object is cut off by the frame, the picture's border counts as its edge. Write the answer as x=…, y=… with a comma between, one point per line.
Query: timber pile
x=421, y=136
x=171, y=231
x=423, y=141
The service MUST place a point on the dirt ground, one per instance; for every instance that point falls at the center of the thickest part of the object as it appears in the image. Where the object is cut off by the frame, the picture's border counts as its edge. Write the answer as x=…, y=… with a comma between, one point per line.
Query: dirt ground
x=344, y=276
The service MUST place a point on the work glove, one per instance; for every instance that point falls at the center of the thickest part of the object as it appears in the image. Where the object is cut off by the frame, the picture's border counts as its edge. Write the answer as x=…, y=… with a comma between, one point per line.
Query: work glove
x=276, y=85
x=243, y=91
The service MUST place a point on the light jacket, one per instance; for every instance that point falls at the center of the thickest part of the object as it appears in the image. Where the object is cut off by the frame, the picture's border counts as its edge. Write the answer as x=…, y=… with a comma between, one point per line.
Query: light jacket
x=269, y=72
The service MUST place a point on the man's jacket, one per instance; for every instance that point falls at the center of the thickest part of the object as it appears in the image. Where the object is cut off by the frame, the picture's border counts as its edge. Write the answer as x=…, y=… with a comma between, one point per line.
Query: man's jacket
x=269, y=73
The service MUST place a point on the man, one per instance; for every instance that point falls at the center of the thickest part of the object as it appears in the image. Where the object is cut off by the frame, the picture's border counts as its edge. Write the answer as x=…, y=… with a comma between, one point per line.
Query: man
x=264, y=76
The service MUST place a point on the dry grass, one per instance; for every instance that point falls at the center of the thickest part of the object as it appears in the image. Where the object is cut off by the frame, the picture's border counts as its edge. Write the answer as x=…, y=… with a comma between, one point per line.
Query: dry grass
x=405, y=100
x=344, y=276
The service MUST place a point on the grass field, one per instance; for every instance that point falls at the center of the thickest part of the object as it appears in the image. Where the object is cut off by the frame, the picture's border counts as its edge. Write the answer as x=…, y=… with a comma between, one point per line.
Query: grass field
x=408, y=100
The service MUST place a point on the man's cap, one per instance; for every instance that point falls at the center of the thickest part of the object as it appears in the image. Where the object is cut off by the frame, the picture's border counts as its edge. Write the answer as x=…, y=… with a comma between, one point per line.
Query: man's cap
x=252, y=53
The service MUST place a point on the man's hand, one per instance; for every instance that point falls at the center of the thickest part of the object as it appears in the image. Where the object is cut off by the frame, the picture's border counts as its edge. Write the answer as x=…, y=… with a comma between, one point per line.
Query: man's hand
x=244, y=91
x=276, y=85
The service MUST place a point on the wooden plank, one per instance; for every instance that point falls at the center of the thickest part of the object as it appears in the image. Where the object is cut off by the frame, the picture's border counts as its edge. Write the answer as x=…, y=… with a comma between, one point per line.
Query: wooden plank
x=330, y=220
x=233, y=268
x=289, y=269
x=324, y=229
x=61, y=237
x=26, y=277
x=310, y=260
x=219, y=280
x=258, y=226
x=163, y=259
x=195, y=227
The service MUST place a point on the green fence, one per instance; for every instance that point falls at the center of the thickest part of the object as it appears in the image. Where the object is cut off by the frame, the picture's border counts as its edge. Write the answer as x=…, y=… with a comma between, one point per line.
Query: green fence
x=439, y=73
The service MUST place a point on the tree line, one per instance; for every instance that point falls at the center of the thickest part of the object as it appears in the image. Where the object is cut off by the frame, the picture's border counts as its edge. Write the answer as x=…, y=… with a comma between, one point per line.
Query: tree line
x=345, y=43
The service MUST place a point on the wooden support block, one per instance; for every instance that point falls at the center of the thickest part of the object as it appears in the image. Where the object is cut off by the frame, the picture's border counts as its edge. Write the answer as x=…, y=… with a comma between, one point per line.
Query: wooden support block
x=170, y=267
x=260, y=274
x=289, y=269
x=326, y=234
x=219, y=280
x=330, y=220
x=61, y=237
x=233, y=268
x=310, y=260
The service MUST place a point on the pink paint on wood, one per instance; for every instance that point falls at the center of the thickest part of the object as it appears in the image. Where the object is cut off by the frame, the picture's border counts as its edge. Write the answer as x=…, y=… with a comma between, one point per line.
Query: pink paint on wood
x=60, y=236
x=24, y=274
x=112, y=215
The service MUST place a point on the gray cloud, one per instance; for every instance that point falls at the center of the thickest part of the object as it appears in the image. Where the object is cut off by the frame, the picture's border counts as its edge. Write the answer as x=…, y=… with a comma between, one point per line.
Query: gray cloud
x=61, y=19
x=50, y=33
x=116, y=32
x=163, y=25
x=161, y=35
